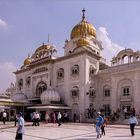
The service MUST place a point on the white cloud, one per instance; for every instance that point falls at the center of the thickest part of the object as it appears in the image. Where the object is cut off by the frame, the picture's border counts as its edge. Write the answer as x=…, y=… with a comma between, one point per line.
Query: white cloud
x=3, y=24
x=6, y=75
x=110, y=48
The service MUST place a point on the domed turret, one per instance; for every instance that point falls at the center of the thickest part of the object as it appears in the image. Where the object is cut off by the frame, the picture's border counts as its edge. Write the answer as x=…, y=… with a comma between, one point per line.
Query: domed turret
x=83, y=28
x=49, y=95
x=27, y=61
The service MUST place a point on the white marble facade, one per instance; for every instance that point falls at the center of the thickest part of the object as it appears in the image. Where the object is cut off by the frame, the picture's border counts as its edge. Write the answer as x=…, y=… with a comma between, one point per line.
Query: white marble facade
x=81, y=77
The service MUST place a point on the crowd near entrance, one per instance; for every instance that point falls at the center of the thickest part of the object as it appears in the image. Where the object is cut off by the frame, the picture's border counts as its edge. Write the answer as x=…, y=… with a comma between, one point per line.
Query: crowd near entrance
x=49, y=115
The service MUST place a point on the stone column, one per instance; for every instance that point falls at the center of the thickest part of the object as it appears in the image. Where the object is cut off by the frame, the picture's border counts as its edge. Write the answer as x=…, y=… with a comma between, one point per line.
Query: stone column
x=114, y=95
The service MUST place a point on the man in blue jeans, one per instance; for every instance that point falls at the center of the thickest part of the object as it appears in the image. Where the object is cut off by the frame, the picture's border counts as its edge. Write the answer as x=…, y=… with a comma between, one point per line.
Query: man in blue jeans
x=99, y=122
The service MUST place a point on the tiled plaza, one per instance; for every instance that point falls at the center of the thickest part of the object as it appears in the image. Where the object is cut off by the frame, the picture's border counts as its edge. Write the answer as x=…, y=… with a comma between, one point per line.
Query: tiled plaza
x=69, y=131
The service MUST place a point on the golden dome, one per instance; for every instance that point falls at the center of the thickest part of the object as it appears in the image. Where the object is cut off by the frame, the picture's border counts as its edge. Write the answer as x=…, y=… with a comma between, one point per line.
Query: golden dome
x=27, y=61
x=83, y=28
x=82, y=42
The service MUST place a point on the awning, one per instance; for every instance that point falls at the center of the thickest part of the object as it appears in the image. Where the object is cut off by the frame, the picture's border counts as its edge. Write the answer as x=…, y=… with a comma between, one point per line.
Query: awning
x=4, y=107
x=49, y=107
x=33, y=99
x=10, y=103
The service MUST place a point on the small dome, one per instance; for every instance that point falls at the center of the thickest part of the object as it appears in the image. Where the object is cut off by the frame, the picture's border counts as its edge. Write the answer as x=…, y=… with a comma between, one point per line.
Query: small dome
x=83, y=28
x=82, y=42
x=27, y=61
x=49, y=95
x=44, y=47
x=19, y=97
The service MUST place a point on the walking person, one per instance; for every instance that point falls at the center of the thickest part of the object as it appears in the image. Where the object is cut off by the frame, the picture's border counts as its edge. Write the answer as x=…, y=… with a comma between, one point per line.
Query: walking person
x=33, y=118
x=53, y=117
x=74, y=117
x=132, y=122
x=15, y=119
x=125, y=112
x=59, y=118
x=103, y=127
x=98, y=125
x=4, y=115
x=37, y=118
x=133, y=111
x=47, y=117
x=20, y=127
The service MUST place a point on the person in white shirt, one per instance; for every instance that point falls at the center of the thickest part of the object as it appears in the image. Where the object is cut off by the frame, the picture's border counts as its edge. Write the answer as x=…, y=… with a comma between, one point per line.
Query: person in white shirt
x=4, y=115
x=132, y=122
x=37, y=117
x=125, y=112
x=20, y=127
x=59, y=118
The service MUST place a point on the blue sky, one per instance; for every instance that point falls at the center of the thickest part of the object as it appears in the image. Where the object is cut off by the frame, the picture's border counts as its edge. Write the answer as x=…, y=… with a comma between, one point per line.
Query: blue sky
x=25, y=25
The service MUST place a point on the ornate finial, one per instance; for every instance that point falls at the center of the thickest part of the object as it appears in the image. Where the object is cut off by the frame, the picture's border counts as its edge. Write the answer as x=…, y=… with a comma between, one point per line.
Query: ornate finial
x=43, y=44
x=48, y=38
x=28, y=55
x=83, y=17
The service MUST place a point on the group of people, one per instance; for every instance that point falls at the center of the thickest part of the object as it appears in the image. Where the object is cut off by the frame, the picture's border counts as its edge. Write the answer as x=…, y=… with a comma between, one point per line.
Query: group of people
x=132, y=111
x=53, y=117
x=101, y=123
x=35, y=117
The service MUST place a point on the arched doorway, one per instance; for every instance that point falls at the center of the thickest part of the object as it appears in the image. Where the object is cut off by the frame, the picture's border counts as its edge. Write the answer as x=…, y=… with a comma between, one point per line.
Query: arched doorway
x=125, y=95
x=75, y=112
x=41, y=86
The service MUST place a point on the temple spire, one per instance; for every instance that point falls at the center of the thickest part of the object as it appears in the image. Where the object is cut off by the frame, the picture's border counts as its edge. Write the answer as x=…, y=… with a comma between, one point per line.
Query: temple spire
x=28, y=55
x=83, y=17
x=48, y=39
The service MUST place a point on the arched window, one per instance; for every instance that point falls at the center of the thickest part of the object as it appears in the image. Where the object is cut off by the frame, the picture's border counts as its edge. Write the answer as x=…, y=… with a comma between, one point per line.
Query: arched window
x=137, y=58
x=20, y=84
x=131, y=59
x=92, y=70
x=60, y=73
x=92, y=92
x=125, y=91
x=42, y=86
x=106, y=91
x=75, y=92
x=75, y=70
x=28, y=81
x=125, y=59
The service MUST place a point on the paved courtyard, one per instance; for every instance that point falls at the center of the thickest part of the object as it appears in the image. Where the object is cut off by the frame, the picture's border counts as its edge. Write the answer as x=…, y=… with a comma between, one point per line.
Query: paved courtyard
x=69, y=132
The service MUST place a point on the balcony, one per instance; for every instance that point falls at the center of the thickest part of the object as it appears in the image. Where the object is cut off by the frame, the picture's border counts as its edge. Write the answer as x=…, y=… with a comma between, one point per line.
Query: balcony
x=126, y=98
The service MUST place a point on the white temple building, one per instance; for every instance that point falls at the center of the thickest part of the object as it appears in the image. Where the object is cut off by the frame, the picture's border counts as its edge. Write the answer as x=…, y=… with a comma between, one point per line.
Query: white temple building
x=80, y=81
